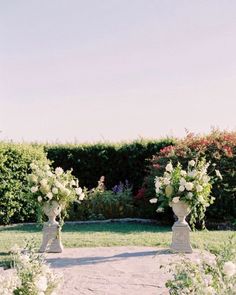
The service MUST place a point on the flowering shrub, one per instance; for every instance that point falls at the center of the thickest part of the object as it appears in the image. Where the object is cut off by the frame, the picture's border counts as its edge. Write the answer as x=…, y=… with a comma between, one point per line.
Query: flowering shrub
x=205, y=277
x=191, y=186
x=31, y=275
x=49, y=185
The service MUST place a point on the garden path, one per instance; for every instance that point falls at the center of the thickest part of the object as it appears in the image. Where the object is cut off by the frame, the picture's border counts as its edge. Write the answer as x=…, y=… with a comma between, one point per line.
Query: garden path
x=114, y=270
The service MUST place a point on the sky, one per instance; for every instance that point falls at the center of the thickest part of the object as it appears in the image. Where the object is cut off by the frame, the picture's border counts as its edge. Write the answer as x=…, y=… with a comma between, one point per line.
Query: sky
x=114, y=70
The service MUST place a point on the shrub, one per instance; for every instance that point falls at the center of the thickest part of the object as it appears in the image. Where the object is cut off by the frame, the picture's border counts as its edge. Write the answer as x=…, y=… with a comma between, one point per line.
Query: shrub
x=100, y=203
x=15, y=200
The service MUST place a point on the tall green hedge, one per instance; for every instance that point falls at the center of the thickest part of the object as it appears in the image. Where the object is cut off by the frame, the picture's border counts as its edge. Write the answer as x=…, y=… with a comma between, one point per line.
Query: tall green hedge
x=15, y=200
x=117, y=162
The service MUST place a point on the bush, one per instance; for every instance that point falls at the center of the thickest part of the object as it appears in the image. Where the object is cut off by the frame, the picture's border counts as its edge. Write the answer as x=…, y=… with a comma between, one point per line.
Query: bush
x=15, y=200
x=219, y=148
x=100, y=203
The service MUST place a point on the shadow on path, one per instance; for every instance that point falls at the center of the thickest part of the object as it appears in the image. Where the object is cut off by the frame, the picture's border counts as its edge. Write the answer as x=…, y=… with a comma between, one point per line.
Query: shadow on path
x=72, y=261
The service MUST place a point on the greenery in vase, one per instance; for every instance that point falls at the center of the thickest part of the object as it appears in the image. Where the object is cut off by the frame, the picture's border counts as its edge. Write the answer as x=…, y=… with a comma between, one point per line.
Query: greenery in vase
x=192, y=186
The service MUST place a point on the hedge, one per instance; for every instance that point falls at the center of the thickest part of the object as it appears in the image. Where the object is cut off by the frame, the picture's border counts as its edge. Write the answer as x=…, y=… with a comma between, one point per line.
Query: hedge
x=15, y=201
x=117, y=162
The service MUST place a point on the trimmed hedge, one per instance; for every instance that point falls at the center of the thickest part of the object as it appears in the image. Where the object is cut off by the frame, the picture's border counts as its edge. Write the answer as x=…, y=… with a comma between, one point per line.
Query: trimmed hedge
x=15, y=201
x=117, y=162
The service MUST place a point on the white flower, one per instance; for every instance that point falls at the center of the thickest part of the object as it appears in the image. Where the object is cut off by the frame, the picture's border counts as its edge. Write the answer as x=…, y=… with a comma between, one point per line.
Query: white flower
x=183, y=173
x=191, y=163
x=189, y=186
x=78, y=190
x=55, y=190
x=182, y=181
x=218, y=174
x=166, y=181
x=44, y=181
x=47, y=167
x=205, y=178
x=81, y=197
x=49, y=195
x=72, y=182
x=58, y=171
x=175, y=200
x=33, y=166
x=42, y=284
x=199, y=188
x=34, y=189
x=189, y=195
x=181, y=188
x=153, y=201
x=201, y=199
x=40, y=198
x=169, y=167
x=192, y=173
x=58, y=184
x=49, y=174
x=229, y=268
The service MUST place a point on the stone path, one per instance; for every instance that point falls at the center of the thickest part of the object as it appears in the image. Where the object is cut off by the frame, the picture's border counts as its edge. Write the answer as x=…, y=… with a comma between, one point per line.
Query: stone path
x=114, y=270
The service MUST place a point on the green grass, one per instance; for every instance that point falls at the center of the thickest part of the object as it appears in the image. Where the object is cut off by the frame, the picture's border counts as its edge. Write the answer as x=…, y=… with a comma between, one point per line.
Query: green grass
x=107, y=235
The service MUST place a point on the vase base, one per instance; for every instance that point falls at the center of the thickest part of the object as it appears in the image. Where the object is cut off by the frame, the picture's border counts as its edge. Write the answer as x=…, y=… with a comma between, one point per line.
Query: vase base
x=51, y=242
x=180, y=238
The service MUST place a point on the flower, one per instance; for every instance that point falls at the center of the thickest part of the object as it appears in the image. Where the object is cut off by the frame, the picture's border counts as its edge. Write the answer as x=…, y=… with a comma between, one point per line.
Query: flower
x=191, y=163
x=181, y=188
x=169, y=167
x=229, y=268
x=78, y=190
x=59, y=171
x=40, y=198
x=191, y=186
x=55, y=190
x=175, y=200
x=34, y=189
x=153, y=201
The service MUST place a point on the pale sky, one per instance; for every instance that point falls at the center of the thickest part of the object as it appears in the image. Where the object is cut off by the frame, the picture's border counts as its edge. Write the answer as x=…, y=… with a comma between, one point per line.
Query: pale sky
x=94, y=70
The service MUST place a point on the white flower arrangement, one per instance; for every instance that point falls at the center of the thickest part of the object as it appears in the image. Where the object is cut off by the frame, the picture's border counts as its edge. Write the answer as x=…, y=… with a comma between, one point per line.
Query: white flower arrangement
x=49, y=185
x=191, y=186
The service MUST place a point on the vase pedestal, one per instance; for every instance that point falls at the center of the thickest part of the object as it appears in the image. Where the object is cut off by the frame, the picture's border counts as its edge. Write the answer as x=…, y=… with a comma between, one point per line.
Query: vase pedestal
x=180, y=239
x=180, y=229
x=51, y=242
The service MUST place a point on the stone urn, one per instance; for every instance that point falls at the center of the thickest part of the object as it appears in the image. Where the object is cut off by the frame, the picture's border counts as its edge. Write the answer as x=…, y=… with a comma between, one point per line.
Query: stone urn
x=180, y=230
x=51, y=242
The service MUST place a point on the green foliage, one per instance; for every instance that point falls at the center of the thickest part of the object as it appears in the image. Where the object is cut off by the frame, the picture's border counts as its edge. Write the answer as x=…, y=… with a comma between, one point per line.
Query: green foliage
x=15, y=201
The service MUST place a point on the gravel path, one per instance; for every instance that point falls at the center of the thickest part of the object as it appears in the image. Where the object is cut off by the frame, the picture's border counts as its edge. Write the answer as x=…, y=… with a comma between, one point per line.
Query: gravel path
x=114, y=270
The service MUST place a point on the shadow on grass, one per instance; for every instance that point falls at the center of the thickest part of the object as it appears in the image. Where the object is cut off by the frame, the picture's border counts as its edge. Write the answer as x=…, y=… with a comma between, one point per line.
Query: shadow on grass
x=31, y=228
x=68, y=262
x=125, y=228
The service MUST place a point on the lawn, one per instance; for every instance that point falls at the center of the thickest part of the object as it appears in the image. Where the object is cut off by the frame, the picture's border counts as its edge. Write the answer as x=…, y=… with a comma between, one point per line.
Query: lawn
x=107, y=235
